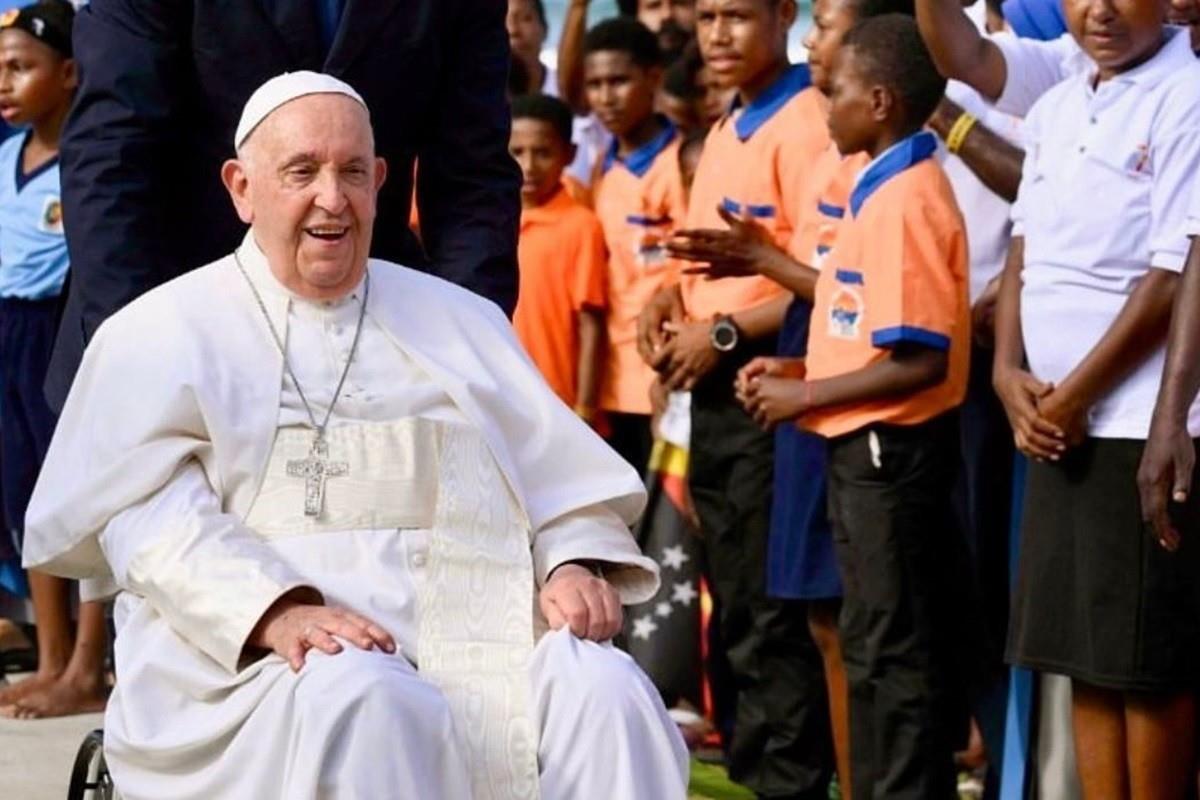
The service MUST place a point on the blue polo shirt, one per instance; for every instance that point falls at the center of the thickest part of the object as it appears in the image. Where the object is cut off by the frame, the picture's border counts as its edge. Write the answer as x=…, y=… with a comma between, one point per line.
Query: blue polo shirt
x=33, y=249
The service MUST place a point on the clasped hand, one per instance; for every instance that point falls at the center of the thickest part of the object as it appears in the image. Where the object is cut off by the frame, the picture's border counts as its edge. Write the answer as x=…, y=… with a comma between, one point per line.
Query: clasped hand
x=582, y=601
x=773, y=390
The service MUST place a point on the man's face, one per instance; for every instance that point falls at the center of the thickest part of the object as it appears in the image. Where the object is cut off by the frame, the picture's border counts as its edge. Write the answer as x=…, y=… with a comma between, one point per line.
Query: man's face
x=542, y=156
x=742, y=39
x=526, y=34
x=1117, y=34
x=653, y=13
x=853, y=105
x=306, y=181
x=35, y=80
x=619, y=92
x=832, y=19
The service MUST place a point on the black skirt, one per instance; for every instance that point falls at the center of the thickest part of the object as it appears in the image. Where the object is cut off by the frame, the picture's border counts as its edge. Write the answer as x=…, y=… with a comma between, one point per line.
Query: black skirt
x=1097, y=598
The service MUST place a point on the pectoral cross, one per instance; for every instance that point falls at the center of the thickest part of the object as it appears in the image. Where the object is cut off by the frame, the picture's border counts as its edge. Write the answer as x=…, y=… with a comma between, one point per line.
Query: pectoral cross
x=315, y=469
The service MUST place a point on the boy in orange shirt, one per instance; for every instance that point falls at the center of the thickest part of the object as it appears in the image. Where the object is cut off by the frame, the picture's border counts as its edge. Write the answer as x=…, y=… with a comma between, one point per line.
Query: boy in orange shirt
x=560, y=314
x=886, y=367
x=639, y=200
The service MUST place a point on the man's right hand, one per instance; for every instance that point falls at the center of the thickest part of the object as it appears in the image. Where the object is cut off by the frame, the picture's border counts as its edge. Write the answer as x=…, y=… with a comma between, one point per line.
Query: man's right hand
x=1020, y=392
x=1167, y=466
x=666, y=306
x=294, y=624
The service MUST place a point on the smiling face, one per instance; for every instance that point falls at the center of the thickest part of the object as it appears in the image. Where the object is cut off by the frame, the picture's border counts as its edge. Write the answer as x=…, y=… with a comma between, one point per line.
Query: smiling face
x=743, y=41
x=1117, y=34
x=620, y=93
x=36, y=82
x=831, y=20
x=306, y=181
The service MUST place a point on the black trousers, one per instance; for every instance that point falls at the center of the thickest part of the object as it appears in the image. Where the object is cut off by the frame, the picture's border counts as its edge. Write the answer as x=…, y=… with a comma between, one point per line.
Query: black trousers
x=631, y=437
x=781, y=744
x=902, y=561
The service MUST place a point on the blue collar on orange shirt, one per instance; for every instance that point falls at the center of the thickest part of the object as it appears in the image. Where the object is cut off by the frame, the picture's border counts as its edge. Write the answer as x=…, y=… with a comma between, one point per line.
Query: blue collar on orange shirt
x=639, y=161
x=796, y=79
x=905, y=153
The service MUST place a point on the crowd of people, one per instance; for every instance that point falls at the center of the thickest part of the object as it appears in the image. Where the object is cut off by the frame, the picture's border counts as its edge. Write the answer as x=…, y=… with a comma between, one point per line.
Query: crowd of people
x=929, y=302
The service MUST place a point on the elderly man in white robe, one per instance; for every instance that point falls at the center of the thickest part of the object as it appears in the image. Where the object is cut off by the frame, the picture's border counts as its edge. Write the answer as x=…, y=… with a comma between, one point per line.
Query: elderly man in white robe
x=361, y=549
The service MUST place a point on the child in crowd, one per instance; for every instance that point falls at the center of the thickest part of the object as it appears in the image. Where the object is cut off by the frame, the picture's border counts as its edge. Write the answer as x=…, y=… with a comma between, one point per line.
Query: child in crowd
x=697, y=335
x=560, y=314
x=37, y=82
x=1085, y=300
x=639, y=200
x=886, y=366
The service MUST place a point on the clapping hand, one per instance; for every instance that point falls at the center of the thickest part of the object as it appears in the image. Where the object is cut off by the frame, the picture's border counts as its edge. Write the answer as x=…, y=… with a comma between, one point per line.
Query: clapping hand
x=742, y=250
x=588, y=604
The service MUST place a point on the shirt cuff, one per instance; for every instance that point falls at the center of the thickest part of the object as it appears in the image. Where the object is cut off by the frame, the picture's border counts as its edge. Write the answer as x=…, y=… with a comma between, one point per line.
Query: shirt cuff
x=890, y=337
x=1170, y=260
x=596, y=534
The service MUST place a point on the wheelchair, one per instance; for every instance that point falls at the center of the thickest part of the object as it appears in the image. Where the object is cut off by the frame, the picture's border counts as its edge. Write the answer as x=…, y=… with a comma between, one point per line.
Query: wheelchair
x=90, y=779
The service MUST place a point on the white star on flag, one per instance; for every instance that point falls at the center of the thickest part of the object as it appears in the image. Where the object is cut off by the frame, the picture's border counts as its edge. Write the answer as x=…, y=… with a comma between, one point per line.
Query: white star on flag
x=663, y=609
x=674, y=557
x=683, y=593
x=643, y=627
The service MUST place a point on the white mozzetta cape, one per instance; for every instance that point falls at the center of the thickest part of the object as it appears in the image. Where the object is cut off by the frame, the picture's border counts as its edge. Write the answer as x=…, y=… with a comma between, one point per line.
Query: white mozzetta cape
x=190, y=371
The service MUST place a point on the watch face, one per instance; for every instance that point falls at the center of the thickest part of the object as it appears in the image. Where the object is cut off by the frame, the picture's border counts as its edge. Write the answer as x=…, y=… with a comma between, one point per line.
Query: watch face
x=724, y=336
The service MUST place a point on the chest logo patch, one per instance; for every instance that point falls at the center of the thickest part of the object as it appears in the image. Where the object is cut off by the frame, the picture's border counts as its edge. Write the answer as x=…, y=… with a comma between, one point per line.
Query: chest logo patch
x=845, y=313
x=52, y=216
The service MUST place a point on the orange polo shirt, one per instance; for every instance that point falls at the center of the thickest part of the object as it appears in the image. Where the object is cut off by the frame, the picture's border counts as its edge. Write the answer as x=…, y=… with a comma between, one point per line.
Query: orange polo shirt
x=897, y=273
x=561, y=257
x=639, y=200
x=756, y=163
x=823, y=206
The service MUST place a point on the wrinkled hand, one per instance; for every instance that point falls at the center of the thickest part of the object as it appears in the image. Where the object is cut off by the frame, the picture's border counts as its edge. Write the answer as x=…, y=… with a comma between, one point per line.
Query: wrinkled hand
x=1020, y=393
x=664, y=307
x=1167, y=467
x=576, y=598
x=745, y=249
x=686, y=357
x=765, y=366
x=1065, y=413
x=291, y=627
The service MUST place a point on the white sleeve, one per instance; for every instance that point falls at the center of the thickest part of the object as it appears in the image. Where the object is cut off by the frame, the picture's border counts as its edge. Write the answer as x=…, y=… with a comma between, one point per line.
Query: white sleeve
x=1031, y=135
x=1175, y=161
x=596, y=533
x=1034, y=67
x=208, y=575
x=1193, y=223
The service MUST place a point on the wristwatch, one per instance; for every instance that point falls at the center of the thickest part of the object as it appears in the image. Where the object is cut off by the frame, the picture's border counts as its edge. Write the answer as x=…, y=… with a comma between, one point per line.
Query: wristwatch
x=724, y=334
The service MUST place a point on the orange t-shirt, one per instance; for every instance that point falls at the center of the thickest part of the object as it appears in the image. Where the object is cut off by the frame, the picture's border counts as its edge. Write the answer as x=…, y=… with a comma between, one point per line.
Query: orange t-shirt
x=756, y=163
x=824, y=205
x=639, y=200
x=897, y=273
x=561, y=257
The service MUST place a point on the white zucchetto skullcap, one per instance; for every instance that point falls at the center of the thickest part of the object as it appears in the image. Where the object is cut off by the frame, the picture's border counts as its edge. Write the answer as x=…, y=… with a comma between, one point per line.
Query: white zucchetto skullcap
x=283, y=89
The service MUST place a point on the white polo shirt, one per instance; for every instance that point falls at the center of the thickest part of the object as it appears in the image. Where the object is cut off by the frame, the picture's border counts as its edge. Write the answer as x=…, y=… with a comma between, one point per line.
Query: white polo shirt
x=1104, y=197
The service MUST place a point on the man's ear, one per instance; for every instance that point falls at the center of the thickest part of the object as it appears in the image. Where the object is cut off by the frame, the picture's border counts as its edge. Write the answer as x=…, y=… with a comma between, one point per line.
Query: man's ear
x=70, y=74
x=883, y=103
x=788, y=13
x=233, y=175
x=381, y=173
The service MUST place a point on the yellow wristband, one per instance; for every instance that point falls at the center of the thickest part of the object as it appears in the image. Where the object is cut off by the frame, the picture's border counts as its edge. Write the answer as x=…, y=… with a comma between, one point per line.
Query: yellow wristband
x=958, y=132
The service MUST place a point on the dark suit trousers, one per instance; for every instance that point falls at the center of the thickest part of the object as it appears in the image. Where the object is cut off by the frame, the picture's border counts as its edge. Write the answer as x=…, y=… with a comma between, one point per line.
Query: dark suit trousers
x=780, y=747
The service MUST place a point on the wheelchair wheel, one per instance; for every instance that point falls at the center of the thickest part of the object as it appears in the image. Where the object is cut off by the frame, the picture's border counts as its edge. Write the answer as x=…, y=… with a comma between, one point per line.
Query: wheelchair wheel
x=89, y=777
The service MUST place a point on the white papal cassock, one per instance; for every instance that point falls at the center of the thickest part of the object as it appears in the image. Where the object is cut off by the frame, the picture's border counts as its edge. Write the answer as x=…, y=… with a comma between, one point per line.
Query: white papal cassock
x=465, y=484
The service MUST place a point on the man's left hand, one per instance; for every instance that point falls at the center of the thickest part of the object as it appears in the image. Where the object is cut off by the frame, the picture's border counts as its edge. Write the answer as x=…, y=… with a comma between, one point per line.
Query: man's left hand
x=745, y=249
x=687, y=356
x=586, y=603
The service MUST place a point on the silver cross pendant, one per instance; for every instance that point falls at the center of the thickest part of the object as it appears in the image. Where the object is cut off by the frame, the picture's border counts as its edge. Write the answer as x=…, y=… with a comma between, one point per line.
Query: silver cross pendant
x=315, y=469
